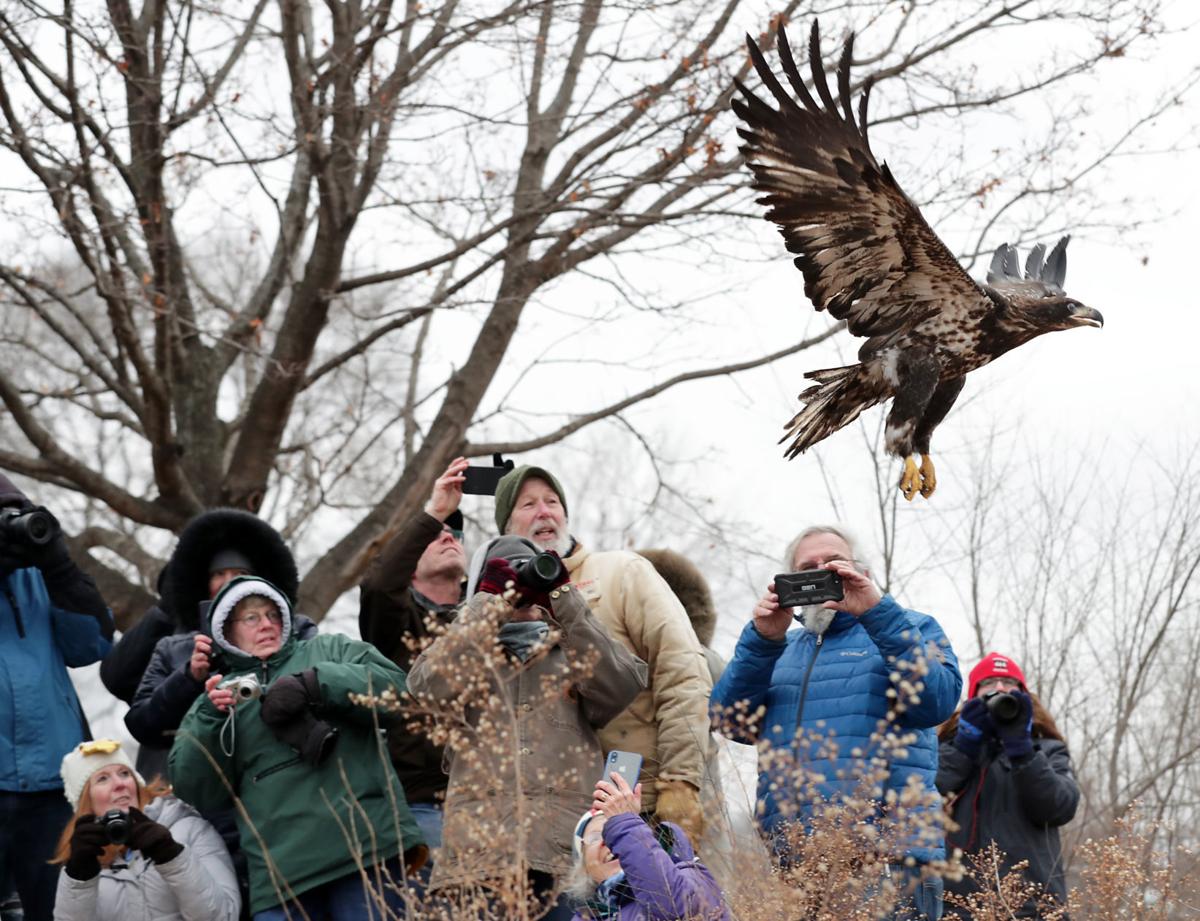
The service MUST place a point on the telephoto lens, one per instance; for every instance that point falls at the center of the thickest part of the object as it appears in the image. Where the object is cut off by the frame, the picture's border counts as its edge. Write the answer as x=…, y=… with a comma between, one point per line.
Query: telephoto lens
x=116, y=825
x=541, y=572
x=1004, y=707
x=34, y=527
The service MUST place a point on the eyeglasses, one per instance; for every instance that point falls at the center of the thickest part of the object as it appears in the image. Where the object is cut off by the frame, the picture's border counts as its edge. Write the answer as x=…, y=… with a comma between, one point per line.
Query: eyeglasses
x=806, y=565
x=456, y=533
x=254, y=619
x=988, y=683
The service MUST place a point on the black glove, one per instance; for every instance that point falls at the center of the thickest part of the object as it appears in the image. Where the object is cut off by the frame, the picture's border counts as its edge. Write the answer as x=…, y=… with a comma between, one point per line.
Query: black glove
x=975, y=725
x=153, y=840
x=13, y=556
x=1017, y=735
x=286, y=709
x=88, y=842
x=290, y=696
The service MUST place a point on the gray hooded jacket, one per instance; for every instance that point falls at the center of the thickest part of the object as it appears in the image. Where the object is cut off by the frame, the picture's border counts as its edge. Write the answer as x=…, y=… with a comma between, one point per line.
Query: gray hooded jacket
x=198, y=885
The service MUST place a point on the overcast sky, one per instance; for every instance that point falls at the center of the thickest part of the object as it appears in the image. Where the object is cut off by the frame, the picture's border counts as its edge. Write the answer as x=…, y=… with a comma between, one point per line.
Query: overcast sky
x=1130, y=387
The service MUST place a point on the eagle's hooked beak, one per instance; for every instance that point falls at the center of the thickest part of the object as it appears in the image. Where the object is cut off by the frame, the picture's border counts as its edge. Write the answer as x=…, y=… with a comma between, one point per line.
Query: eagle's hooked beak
x=1085, y=316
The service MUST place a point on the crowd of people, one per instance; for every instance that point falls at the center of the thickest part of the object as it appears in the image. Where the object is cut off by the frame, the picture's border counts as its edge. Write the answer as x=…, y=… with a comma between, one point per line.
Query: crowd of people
x=288, y=772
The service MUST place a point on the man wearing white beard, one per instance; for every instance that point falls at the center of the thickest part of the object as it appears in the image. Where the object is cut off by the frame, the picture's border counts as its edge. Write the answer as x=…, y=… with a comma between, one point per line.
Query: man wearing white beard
x=864, y=669
x=667, y=724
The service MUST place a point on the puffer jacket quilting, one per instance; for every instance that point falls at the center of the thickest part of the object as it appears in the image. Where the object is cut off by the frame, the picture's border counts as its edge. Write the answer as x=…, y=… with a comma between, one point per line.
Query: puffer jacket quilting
x=845, y=700
x=198, y=885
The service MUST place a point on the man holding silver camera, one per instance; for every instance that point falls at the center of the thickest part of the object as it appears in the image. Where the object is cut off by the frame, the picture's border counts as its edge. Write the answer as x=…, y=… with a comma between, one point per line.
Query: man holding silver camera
x=864, y=681
x=51, y=617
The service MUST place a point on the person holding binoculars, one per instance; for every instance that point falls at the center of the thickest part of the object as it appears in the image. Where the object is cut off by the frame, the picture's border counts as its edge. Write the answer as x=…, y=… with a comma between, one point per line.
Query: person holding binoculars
x=52, y=617
x=132, y=850
x=1006, y=773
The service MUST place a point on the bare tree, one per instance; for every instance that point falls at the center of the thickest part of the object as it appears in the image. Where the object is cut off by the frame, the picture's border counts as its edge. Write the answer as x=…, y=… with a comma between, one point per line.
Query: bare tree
x=264, y=251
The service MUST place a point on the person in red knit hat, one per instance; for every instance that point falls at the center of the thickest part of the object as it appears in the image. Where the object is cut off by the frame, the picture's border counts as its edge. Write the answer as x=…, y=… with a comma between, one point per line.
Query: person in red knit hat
x=1006, y=773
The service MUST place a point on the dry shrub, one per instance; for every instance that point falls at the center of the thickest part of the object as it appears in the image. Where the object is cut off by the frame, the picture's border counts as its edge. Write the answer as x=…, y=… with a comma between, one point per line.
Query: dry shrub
x=838, y=847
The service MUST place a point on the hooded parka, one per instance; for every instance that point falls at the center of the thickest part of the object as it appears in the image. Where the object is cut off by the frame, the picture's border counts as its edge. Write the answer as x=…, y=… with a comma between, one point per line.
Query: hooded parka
x=319, y=823
x=198, y=885
x=546, y=710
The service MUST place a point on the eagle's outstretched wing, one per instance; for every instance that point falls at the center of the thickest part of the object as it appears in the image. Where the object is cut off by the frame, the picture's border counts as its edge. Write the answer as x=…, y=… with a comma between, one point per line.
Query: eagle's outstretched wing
x=867, y=254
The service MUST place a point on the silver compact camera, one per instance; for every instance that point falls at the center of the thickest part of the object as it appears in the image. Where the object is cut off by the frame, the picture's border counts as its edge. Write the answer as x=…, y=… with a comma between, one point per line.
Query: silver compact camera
x=244, y=687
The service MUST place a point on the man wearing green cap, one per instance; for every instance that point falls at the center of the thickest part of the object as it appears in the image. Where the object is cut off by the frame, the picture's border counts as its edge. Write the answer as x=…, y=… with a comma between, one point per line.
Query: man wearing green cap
x=667, y=724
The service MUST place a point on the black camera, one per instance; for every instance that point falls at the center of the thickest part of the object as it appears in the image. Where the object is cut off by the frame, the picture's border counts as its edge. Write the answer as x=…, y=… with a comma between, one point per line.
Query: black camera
x=541, y=572
x=34, y=526
x=1003, y=706
x=116, y=825
x=813, y=586
x=536, y=570
x=482, y=481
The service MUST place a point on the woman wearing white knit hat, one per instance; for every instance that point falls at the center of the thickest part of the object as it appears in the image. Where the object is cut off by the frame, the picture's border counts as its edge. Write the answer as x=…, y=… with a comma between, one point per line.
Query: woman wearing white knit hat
x=133, y=850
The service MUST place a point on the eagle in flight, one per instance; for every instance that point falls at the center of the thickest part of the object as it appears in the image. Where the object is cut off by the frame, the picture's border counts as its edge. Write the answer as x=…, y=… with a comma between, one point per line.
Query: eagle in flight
x=869, y=258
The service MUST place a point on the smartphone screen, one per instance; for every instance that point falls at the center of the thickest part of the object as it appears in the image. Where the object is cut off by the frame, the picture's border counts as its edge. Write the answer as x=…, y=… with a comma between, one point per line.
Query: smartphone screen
x=482, y=481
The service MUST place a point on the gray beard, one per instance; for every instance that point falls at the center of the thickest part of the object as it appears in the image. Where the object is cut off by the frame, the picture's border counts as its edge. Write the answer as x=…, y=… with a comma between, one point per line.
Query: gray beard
x=816, y=619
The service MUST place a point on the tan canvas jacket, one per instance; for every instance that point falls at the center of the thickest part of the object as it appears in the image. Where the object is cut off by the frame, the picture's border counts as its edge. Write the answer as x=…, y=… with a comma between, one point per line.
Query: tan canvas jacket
x=523, y=753
x=668, y=722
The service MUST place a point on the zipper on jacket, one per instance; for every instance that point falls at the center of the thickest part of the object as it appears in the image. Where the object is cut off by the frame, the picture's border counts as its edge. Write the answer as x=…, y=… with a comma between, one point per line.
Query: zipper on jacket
x=807, y=675
x=276, y=768
x=16, y=609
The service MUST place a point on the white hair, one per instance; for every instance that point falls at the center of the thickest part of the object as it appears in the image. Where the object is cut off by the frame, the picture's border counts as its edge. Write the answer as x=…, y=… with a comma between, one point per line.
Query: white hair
x=837, y=530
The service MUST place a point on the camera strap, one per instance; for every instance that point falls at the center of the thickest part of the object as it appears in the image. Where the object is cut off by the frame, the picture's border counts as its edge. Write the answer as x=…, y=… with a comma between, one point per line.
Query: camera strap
x=230, y=726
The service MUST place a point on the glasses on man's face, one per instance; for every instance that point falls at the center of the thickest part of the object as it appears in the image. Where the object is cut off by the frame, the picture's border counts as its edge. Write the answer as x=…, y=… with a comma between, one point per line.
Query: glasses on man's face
x=453, y=532
x=805, y=565
x=255, y=618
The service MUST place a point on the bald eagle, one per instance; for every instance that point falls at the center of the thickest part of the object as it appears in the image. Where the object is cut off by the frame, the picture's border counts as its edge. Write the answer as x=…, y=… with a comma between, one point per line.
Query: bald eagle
x=869, y=258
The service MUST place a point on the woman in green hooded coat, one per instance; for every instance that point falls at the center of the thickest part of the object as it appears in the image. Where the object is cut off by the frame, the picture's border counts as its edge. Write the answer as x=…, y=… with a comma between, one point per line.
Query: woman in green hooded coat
x=320, y=800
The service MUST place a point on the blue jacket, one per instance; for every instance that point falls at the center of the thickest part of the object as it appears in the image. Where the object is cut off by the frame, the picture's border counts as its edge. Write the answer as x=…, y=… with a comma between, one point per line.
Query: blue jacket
x=40, y=716
x=836, y=685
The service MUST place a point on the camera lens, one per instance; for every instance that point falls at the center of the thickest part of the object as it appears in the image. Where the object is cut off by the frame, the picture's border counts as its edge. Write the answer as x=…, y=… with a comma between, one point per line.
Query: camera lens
x=39, y=528
x=116, y=826
x=541, y=571
x=1004, y=707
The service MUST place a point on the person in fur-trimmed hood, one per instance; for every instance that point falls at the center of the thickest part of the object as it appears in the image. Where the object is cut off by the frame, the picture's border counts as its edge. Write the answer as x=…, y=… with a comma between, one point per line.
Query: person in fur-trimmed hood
x=214, y=547
x=320, y=796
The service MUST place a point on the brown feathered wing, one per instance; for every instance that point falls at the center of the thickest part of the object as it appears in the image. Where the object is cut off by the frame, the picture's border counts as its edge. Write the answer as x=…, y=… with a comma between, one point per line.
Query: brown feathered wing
x=867, y=254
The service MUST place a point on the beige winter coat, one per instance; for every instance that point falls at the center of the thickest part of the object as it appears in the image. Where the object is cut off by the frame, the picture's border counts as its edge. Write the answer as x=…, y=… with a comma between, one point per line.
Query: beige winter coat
x=668, y=722
x=523, y=753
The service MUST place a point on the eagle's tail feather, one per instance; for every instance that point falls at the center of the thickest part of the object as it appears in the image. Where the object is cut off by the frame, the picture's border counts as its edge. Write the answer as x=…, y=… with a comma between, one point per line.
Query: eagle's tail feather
x=836, y=400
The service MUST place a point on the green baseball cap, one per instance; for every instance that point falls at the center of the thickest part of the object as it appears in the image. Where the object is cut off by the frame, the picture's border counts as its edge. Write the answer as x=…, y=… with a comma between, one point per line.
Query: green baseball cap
x=510, y=485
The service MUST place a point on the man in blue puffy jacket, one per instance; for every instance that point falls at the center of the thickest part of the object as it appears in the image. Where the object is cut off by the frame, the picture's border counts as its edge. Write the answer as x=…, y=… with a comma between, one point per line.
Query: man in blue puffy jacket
x=51, y=617
x=864, y=681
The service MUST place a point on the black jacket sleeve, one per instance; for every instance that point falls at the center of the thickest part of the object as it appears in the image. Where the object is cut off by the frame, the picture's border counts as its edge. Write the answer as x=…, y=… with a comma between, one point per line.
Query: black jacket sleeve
x=1046, y=784
x=955, y=769
x=122, y=669
x=165, y=694
x=386, y=612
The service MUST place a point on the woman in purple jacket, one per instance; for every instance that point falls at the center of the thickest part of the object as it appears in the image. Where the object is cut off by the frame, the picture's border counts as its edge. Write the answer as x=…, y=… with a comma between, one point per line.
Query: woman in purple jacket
x=625, y=871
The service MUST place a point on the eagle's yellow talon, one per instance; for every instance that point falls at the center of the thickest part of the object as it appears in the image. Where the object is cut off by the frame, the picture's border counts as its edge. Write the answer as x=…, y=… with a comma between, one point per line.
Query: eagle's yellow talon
x=910, y=480
x=928, y=476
